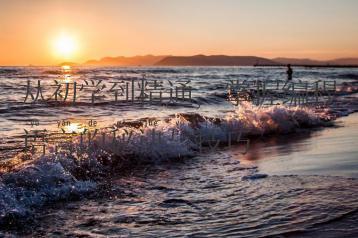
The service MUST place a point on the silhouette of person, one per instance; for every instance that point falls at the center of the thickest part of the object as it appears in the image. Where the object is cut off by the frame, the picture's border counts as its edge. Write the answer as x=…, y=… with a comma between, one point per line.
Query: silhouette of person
x=289, y=72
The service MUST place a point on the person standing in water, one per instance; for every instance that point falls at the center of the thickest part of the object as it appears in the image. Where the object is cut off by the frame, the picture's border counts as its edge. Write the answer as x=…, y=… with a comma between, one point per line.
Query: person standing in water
x=289, y=72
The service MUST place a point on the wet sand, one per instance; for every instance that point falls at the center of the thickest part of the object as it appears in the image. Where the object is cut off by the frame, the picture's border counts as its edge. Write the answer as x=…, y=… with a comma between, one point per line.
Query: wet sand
x=329, y=151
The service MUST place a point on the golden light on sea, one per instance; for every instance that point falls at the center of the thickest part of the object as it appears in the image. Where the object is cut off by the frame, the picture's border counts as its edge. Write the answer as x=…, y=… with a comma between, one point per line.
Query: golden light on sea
x=74, y=128
x=66, y=73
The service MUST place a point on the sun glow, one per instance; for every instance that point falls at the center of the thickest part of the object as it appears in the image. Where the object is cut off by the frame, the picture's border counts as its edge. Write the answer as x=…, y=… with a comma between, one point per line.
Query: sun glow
x=74, y=128
x=66, y=68
x=65, y=46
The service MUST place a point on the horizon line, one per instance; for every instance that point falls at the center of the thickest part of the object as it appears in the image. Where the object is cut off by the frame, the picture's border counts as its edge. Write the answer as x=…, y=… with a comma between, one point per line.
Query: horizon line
x=169, y=55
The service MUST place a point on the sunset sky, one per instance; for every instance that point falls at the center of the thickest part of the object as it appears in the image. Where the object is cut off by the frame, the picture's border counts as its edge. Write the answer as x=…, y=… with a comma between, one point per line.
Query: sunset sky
x=43, y=32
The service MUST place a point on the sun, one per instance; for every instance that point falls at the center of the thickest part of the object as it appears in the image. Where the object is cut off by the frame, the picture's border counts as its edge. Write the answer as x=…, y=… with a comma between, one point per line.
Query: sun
x=65, y=46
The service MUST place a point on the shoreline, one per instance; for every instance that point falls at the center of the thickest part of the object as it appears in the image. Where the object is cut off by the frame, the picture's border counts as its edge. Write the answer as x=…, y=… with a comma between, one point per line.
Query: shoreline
x=310, y=152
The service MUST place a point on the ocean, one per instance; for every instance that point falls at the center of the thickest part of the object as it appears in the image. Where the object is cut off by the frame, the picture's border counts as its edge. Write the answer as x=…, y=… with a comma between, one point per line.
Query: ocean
x=178, y=152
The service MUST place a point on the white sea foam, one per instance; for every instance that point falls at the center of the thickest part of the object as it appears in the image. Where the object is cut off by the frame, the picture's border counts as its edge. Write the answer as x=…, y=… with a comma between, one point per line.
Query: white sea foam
x=43, y=181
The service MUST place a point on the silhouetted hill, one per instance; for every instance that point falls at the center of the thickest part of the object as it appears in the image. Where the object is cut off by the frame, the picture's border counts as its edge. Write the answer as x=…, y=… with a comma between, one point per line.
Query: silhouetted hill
x=68, y=64
x=126, y=61
x=344, y=61
x=294, y=61
x=214, y=60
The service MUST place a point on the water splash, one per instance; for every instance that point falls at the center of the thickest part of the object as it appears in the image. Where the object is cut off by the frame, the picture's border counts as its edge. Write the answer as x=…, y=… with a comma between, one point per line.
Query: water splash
x=29, y=184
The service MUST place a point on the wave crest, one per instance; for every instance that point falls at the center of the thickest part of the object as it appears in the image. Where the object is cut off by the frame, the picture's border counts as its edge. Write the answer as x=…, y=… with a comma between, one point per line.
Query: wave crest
x=58, y=176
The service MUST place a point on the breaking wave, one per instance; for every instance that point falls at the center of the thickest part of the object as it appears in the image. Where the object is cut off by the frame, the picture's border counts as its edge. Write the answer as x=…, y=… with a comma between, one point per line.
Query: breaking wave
x=27, y=183
x=35, y=184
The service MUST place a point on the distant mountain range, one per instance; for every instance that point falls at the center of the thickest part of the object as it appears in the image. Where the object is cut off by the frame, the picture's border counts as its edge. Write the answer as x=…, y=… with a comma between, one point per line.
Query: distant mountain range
x=212, y=60
x=126, y=61
x=341, y=61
